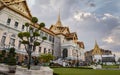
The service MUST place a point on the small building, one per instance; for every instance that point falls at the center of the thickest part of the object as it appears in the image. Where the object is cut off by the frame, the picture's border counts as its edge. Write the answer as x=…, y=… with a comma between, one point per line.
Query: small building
x=98, y=55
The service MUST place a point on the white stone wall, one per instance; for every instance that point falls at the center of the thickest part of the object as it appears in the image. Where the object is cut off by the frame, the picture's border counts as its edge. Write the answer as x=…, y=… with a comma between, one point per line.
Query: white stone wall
x=10, y=29
x=82, y=56
x=74, y=50
x=6, y=13
x=57, y=47
x=62, y=39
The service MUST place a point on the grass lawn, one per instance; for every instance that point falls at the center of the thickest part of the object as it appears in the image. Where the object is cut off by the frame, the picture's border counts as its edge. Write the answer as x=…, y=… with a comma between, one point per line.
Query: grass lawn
x=75, y=71
x=110, y=66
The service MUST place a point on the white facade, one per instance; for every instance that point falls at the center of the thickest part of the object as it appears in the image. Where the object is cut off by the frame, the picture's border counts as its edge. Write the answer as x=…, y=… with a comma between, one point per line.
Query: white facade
x=74, y=51
x=9, y=30
x=9, y=38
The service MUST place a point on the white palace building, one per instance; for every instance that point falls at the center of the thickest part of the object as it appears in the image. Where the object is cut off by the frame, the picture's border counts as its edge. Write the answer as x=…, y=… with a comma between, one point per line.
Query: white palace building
x=61, y=42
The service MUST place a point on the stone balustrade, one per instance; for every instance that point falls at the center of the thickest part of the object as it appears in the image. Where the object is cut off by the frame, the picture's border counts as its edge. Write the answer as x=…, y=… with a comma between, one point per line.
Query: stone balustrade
x=41, y=71
x=4, y=68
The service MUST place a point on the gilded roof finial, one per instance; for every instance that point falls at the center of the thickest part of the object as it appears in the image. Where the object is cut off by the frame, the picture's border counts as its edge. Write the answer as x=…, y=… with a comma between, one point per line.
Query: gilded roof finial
x=96, y=45
x=59, y=20
x=59, y=15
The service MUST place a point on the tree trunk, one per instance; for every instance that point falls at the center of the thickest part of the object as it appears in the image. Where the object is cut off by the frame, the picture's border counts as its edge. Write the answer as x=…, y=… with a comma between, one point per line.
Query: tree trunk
x=29, y=61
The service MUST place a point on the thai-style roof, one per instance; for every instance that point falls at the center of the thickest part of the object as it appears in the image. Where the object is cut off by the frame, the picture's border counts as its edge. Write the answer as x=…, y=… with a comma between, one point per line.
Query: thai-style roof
x=44, y=29
x=58, y=28
x=71, y=35
x=96, y=50
x=48, y=31
x=81, y=44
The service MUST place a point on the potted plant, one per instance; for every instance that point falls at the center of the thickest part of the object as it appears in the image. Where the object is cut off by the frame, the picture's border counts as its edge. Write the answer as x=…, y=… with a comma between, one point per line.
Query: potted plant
x=11, y=60
x=2, y=56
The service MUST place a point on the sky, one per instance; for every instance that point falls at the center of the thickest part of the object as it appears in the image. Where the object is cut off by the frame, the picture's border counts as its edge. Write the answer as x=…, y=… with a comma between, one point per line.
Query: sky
x=92, y=19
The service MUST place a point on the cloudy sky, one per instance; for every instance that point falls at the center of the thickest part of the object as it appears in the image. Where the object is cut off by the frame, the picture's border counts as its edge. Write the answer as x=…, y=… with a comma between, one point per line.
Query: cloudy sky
x=91, y=19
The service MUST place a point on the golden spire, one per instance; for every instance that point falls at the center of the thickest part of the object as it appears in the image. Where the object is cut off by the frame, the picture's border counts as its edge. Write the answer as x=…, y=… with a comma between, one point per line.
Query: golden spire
x=59, y=16
x=96, y=50
x=59, y=20
x=96, y=45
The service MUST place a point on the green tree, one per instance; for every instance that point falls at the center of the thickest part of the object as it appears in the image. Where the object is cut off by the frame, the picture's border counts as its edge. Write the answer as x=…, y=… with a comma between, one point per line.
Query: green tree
x=30, y=37
x=45, y=58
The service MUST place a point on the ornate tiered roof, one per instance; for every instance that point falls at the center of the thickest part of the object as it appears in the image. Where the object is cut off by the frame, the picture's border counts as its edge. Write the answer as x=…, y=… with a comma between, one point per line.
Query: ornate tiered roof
x=81, y=44
x=71, y=35
x=96, y=50
x=59, y=29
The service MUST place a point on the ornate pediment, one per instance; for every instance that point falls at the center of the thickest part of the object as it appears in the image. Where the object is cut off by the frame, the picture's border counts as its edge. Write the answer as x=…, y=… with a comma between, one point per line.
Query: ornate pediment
x=66, y=30
x=20, y=6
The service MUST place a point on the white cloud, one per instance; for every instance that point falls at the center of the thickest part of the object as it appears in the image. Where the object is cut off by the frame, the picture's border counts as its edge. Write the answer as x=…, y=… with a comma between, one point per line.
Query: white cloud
x=80, y=16
x=115, y=33
x=30, y=2
x=108, y=40
x=107, y=15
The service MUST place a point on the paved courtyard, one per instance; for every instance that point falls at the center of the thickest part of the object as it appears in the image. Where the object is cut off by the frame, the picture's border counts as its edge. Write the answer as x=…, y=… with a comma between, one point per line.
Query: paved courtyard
x=6, y=73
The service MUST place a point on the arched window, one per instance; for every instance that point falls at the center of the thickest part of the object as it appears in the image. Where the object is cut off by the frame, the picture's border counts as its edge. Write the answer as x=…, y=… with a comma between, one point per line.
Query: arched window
x=12, y=40
x=3, y=39
x=65, y=53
